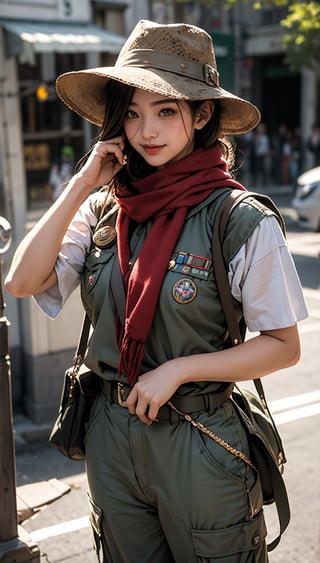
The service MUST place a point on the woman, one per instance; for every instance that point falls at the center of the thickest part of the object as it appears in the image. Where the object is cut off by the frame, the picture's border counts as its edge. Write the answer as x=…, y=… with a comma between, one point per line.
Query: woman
x=158, y=490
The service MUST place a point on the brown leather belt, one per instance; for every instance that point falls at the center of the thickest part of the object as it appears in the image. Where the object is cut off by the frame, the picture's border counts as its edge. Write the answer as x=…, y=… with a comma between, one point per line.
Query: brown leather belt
x=117, y=392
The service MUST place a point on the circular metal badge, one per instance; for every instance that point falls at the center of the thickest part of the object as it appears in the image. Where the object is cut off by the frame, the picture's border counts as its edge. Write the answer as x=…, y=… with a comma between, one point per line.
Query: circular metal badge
x=184, y=290
x=105, y=236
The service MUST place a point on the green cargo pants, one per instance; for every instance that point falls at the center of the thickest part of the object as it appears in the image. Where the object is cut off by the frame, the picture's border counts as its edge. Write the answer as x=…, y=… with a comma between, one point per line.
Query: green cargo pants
x=167, y=493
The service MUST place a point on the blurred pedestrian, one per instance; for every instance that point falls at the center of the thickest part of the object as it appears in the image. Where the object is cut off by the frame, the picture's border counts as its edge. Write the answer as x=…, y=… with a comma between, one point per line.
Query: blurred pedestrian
x=280, y=152
x=296, y=155
x=261, y=154
x=61, y=171
x=285, y=159
x=313, y=144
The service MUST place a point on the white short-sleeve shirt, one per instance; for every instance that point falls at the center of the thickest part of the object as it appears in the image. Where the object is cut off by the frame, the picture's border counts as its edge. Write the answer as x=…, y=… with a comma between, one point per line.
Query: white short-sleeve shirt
x=262, y=275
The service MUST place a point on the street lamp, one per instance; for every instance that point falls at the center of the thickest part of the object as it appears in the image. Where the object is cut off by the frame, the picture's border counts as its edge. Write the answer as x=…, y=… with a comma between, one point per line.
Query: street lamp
x=12, y=547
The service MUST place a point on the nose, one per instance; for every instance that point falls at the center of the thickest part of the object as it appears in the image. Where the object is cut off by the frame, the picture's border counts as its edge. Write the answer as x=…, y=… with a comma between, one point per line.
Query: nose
x=148, y=129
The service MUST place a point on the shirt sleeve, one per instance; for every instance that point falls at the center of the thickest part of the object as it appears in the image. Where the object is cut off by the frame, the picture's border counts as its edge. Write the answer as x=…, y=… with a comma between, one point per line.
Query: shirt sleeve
x=263, y=277
x=70, y=262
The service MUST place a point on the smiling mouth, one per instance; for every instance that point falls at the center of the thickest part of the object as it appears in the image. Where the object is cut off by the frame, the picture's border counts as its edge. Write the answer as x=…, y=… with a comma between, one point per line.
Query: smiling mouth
x=152, y=149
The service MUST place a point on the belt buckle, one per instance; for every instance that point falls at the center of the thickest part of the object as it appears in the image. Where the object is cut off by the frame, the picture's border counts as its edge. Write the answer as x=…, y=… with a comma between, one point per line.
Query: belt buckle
x=120, y=395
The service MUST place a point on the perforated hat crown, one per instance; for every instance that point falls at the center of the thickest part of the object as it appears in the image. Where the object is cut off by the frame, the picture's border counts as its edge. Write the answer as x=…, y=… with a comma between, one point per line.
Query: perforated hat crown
x=174, y=60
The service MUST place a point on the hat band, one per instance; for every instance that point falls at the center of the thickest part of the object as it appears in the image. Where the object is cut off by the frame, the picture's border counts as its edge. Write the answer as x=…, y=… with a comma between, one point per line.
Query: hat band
x=147, y=58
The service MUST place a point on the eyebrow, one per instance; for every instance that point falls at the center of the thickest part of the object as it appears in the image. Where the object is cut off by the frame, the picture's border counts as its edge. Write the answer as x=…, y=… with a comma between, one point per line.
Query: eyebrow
x=158, y=102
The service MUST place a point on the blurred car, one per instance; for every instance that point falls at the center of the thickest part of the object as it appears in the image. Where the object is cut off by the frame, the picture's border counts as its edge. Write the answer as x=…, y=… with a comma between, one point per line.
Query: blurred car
x=306, y=201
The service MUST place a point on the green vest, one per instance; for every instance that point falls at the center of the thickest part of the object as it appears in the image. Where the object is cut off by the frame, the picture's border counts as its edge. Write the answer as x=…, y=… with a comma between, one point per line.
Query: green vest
x=188, y=319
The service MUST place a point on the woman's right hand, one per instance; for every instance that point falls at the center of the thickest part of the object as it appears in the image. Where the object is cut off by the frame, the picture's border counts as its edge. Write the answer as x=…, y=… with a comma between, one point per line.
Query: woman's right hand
x=105, y=160
x=38, y=251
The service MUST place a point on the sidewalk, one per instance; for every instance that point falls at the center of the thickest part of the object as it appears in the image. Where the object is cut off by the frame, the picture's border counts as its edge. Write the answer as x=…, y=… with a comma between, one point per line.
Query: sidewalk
x=27, y=432
x=52, y=505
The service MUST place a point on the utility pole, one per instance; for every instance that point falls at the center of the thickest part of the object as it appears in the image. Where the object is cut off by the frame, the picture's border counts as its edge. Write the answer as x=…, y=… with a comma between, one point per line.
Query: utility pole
x=14, y=548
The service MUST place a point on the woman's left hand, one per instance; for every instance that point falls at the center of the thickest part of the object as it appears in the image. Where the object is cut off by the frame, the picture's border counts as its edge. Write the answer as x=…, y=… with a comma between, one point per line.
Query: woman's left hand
x=152, y=390
x=256, y=357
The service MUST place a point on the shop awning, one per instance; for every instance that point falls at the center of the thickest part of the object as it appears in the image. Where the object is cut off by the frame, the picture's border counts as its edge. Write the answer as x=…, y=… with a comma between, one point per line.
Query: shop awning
x=58, y=37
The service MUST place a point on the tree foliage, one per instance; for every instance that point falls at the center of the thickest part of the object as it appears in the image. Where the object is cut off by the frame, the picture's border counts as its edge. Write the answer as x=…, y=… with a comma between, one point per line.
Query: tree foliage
x=301, y=40
x=302, y=37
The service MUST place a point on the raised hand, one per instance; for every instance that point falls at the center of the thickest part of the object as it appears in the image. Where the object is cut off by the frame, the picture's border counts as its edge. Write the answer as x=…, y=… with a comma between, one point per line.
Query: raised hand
x=105, y=160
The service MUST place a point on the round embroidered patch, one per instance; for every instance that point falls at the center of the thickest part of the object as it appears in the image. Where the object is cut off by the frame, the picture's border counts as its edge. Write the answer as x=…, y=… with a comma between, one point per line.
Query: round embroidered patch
x=184, y=290
x=105, y=236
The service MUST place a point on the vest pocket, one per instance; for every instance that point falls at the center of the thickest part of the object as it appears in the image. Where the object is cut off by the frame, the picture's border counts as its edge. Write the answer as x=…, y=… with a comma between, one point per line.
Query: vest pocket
x=243, y=543
x=95, y=263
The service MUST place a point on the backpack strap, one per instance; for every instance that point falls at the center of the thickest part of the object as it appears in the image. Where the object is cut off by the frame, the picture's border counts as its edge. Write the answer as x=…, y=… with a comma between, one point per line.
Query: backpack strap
x=221, y=275
x=260, y=201
x=224, y=290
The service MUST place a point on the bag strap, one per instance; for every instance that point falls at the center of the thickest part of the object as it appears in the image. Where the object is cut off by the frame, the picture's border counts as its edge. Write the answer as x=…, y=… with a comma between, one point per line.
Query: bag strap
x=260, y=201
x=82, y=344
x=220, y=269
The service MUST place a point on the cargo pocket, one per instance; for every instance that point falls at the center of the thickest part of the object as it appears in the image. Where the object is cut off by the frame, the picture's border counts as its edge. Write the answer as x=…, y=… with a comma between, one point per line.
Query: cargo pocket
x=255, y=499
x=95, y=515
x=243, y=543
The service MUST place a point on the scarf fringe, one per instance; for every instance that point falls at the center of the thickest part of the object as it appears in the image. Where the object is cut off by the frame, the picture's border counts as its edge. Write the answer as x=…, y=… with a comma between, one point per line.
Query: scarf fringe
x=131, y=356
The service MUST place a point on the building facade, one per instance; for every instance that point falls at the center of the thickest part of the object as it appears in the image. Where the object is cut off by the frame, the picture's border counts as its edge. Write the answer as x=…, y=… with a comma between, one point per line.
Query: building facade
x=38, y=41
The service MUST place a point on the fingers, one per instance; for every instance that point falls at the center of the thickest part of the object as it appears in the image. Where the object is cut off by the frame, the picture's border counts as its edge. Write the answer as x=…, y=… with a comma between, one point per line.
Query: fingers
x=131, y=401
x=105, y=160
x=144, y=408
x=113, y=147
x=146, y=412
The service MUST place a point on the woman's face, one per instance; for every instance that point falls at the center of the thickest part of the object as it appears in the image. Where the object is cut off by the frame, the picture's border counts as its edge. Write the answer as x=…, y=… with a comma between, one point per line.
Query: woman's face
x=160, y=129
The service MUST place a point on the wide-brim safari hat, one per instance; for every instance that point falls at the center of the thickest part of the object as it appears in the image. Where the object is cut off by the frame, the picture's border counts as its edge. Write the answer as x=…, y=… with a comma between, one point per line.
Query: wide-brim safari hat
x=174, y=60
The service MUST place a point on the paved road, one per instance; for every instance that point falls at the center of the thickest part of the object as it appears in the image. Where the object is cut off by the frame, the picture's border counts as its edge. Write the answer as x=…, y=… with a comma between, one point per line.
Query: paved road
x=61, y=529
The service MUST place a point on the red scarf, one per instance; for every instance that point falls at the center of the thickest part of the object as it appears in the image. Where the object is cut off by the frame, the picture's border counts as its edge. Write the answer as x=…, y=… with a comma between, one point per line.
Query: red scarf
x=165, y=197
